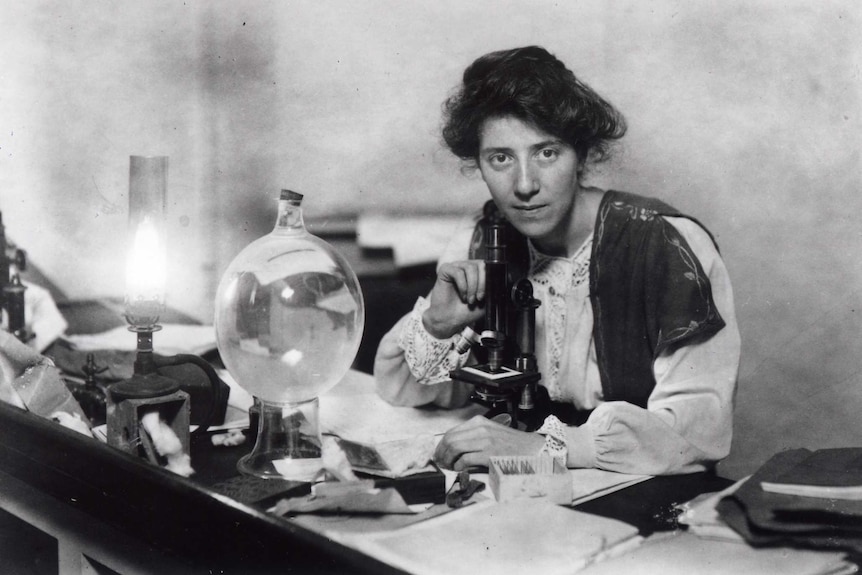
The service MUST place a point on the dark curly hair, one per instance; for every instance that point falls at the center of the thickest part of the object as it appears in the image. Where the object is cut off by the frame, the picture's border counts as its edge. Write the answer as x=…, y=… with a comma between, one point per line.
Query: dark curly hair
x=530, y=84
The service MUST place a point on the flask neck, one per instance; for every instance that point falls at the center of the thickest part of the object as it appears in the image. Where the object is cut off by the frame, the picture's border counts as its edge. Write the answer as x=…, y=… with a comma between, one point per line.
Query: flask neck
x=289, y=218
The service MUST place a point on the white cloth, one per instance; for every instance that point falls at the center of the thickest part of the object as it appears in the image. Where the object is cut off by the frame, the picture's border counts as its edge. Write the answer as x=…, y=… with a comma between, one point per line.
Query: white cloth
x=687, y=425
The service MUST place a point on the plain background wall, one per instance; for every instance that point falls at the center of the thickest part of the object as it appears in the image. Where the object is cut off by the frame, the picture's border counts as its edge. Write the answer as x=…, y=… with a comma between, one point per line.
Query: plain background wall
x=745, y=114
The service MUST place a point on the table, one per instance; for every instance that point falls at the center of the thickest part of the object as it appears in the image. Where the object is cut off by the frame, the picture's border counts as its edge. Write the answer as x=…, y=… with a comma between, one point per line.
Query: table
x=111, y=508
x=120, y=511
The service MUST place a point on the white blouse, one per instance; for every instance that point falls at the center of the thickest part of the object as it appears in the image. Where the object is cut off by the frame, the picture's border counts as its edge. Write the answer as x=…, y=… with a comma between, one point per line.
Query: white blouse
x=687, y=425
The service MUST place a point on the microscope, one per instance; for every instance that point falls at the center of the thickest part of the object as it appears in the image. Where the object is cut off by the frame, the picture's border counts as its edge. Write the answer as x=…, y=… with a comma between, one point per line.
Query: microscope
x=507, y=381
x=12, y=261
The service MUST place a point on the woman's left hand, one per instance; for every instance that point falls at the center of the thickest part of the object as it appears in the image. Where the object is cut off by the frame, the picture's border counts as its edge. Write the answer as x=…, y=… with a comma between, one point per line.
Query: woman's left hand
x=473, y=443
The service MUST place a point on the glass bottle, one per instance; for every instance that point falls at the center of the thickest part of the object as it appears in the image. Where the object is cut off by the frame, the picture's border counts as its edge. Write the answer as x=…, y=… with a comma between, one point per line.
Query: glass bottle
x=289, y=317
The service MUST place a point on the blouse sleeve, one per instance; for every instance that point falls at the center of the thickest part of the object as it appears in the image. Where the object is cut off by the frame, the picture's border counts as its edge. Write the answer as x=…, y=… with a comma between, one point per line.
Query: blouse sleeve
x=688, y=423
x=412, y=367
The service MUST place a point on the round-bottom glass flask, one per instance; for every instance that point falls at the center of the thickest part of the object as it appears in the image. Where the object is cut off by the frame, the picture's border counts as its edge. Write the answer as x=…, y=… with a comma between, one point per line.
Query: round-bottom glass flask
x=289, y=317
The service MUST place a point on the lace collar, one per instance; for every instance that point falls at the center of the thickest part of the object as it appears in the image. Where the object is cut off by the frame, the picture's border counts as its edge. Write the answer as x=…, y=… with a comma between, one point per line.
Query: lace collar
x=559, y=273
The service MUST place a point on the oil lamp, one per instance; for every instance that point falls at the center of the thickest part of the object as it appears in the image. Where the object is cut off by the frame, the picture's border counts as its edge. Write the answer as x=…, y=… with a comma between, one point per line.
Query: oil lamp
x=289, y=317
x=149, y=390
x=147, y=257
x=146, y=265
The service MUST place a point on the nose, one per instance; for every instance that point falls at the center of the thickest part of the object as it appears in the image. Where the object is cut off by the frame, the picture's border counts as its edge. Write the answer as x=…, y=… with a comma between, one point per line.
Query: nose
x=527, y=185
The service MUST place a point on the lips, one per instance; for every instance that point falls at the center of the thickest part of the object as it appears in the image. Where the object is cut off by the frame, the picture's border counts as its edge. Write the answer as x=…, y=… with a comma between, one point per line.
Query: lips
x=528, y=209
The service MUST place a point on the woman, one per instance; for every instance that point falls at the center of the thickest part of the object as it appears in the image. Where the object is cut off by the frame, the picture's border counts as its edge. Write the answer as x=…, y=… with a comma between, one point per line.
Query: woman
x=636, y=331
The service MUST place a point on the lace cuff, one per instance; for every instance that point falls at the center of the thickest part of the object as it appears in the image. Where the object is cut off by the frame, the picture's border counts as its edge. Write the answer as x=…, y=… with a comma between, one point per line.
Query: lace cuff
x=430, y=359
x=556, y=439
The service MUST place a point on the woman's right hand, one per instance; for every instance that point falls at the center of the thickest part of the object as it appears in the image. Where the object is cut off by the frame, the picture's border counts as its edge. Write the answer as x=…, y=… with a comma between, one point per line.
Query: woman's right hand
x=457, y=298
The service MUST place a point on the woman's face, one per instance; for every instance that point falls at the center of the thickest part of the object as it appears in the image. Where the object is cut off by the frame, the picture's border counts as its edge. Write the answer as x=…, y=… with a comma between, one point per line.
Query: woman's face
x=533, y=178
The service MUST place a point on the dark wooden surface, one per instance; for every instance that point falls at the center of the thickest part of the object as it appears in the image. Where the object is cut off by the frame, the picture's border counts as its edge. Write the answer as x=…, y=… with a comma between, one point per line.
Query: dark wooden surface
x=650, y=505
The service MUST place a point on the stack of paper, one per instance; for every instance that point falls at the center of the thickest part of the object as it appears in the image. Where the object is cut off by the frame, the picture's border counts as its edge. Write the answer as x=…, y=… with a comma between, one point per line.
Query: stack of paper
x=710, y=546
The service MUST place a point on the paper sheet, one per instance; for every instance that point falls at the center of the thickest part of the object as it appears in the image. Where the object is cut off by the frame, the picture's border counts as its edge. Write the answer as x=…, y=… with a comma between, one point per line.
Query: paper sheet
x=592, y=483
x=356, y=412
x=682, y=553
x=522, y=536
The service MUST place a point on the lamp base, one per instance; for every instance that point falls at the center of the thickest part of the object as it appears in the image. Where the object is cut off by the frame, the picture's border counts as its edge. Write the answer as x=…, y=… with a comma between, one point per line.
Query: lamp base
x=129, y=400
x=143, y=387
x=288, y=444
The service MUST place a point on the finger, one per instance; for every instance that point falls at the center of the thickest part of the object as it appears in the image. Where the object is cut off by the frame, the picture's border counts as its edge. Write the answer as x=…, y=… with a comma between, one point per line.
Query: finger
x=444, y=457
x=466, y=442
x=463, y=438
x=450, y=456
x=467, y=278
x=444, y=274
x=456, y=276
x=471, y=459
x=453, y=445
x=444, y=454
x=471, y=275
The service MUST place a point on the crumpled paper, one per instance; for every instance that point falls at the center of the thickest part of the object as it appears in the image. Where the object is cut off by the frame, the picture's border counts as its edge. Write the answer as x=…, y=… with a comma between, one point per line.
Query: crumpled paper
x=30, y=380
x=393, y=459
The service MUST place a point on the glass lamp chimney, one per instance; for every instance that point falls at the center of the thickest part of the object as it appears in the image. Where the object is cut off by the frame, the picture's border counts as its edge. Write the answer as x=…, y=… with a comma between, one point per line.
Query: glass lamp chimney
x=147, y=258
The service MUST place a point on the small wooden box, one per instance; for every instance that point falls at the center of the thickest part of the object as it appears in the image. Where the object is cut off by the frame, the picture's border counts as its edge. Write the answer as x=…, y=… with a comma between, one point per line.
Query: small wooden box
x=537, y=476
x=124, y=420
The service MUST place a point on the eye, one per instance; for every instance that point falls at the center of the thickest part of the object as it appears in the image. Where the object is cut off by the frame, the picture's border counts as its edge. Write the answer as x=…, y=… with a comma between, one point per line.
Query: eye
x=549, y=153
x=498, y=159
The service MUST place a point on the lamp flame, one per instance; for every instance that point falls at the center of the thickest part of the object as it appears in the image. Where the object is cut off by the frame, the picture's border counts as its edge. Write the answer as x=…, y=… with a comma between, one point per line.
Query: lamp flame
x=146, y=275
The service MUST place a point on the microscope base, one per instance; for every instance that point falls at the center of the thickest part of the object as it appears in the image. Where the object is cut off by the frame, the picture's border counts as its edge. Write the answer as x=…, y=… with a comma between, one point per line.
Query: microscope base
x=499, y=390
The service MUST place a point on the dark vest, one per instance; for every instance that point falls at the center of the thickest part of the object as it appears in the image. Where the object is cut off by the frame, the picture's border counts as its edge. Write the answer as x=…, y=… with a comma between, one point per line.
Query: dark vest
x=648, y=291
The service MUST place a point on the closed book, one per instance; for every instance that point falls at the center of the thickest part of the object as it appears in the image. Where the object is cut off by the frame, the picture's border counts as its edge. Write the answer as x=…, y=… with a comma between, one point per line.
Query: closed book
x=827, y=473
